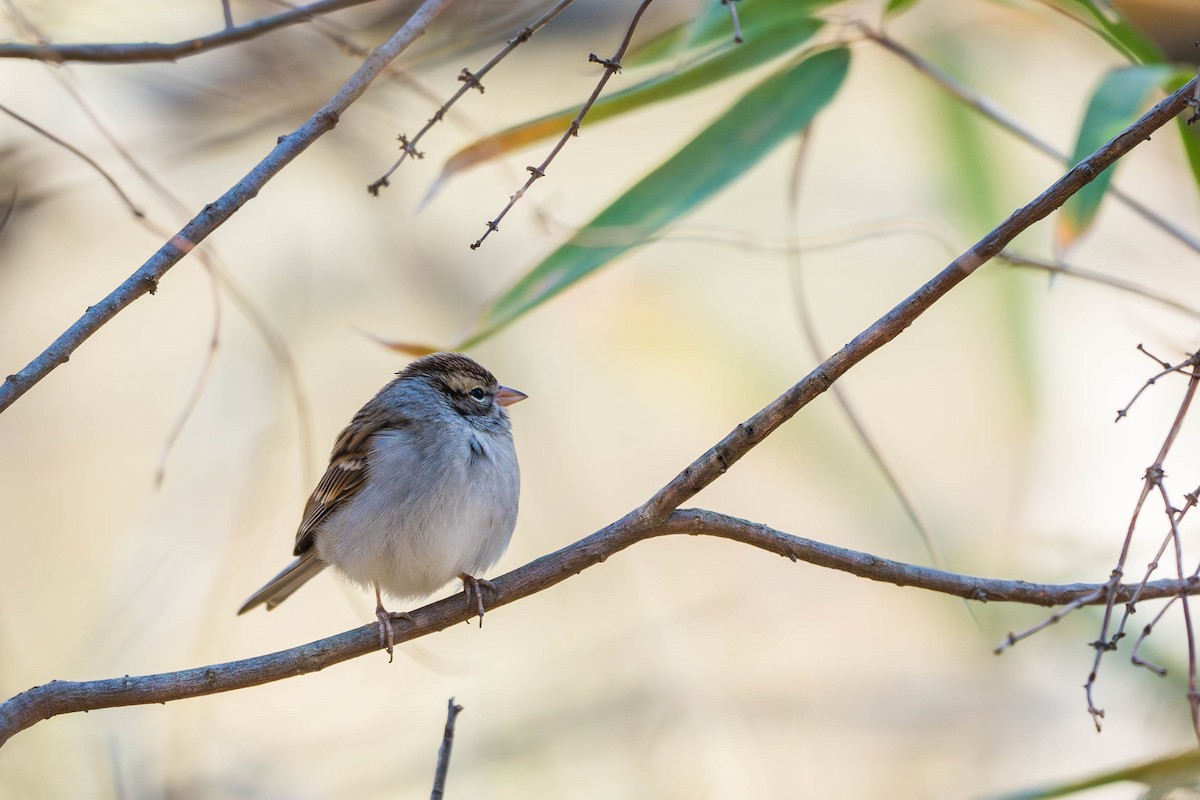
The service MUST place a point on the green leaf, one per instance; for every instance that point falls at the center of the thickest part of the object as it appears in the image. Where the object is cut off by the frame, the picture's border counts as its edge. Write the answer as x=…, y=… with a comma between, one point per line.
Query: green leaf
x=1115, y=104
x=894, y=7
x=715, y=27
x=778, y=107
x=768, y=38
x=1118, y=32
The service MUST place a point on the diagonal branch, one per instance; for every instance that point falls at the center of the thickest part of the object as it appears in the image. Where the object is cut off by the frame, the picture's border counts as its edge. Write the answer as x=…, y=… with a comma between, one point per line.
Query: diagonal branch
x=64, y=697
x=145, y=279
x=140, y=52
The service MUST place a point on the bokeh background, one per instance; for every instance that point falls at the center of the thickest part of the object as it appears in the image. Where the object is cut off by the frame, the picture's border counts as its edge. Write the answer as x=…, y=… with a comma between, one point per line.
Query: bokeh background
x=682, y=668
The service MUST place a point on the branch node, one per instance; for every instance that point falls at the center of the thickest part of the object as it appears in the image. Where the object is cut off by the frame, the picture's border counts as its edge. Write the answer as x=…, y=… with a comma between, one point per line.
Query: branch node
x=408, y=148
x=470, y=79
x=610, y=64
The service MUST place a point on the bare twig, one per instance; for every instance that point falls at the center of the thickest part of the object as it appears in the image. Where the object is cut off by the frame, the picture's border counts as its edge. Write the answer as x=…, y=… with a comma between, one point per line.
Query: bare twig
x=227, y=12
x=1053, y=619
x=145, y=279
x=611, y=67
x=139, y=52
x=470, y=80
x=1134, y=656
x=1167, y=369
x=443, y=759
x=63, y=697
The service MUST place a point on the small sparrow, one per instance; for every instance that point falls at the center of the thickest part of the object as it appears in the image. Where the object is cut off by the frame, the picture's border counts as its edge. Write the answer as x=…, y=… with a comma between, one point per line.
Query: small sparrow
x=421, y=488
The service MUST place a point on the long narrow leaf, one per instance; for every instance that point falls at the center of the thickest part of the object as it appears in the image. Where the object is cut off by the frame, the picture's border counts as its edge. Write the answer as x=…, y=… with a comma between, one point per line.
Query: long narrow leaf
x=1115, y=104
x=778, y=107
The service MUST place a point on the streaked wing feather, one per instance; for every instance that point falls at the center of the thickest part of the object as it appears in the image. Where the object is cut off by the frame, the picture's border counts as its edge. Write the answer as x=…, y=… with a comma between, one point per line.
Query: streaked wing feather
x=348, y=469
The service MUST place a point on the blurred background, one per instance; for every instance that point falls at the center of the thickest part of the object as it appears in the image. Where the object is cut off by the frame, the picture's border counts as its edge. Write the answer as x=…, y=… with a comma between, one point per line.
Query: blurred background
x=682, y=668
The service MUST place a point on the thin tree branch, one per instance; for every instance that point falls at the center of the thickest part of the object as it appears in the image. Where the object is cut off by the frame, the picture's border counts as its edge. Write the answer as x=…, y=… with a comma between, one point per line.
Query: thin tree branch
x=64, y=697
x=443, y=759
x=145, y=279
x=140, y=52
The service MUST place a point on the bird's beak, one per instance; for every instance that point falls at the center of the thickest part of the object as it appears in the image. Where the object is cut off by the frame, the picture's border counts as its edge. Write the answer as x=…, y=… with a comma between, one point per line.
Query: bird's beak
x=506, y=396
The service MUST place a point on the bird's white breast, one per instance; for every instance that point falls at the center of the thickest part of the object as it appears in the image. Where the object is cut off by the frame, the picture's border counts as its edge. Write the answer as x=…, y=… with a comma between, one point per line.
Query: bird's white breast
x=427, y=513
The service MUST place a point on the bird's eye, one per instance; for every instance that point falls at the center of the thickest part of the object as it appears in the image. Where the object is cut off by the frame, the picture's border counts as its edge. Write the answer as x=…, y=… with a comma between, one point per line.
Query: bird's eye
x=478, y=393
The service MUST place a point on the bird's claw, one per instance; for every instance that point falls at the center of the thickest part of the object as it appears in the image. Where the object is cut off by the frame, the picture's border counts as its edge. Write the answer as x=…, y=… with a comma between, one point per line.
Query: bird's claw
x=473, y=587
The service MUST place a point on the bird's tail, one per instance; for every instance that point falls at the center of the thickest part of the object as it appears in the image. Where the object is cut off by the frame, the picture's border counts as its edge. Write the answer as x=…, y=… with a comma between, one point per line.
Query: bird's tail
x=280, y=587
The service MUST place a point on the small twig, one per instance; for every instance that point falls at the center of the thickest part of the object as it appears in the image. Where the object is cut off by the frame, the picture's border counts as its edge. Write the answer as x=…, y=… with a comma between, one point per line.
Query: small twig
x=611, y=67
x=228, y=13
x=733, y=16
x=1167, y=370
x=1136, y=659
x=443, y=759
x=1141, y=348
x=470, y=80
x=1013, y=638
x=91, y=162
x=141, y=52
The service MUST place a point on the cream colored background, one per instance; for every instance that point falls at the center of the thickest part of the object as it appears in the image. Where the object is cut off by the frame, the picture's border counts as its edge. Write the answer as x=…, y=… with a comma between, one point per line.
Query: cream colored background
x=682, y=668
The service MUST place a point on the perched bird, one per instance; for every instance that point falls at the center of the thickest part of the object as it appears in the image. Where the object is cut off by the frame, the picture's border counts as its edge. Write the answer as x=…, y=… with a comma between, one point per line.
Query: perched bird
x=421, y=488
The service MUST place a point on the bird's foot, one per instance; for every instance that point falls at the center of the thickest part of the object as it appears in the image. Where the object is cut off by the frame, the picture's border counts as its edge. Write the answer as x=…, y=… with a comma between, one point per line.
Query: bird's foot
x=387, y=634
x=474, y=589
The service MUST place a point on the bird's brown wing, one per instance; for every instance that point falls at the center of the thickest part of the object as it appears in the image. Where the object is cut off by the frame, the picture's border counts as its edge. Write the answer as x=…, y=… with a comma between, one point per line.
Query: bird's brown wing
x=347, y=471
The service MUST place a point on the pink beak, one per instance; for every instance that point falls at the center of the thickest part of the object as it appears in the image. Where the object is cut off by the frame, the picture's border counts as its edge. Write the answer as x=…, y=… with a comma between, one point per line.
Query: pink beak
x=506, y=396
